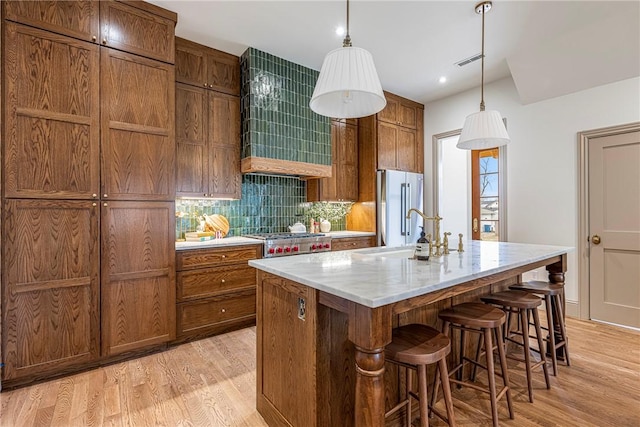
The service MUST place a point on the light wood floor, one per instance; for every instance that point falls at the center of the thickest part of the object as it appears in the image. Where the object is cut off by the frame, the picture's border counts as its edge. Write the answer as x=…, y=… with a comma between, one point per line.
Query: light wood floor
x=212, y=383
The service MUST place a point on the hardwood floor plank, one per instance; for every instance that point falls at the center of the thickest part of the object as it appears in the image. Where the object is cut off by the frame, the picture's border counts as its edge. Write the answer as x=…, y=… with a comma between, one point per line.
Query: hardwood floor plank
x=212, y=382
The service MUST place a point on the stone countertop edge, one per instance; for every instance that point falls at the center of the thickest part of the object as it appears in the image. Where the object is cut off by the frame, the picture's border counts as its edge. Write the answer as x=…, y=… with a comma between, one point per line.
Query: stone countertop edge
x=379, y=276
x=348, y=233
x=217, y=243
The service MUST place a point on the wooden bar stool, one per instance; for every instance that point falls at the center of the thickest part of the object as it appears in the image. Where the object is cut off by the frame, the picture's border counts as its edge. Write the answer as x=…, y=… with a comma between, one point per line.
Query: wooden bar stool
x=523, y=305
x=414, y=347
x=486, y=321
x=557, y=342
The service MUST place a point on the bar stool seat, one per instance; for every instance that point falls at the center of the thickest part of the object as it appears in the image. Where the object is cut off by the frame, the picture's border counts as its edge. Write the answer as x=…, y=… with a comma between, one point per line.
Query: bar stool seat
x=523, y=305
x=557, y=340
x=487, y=321
x=414, y=347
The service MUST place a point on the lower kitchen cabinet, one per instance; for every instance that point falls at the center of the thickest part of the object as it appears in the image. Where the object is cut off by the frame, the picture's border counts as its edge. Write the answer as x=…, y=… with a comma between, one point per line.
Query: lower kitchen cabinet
x=341, y=244
x=216, y=290
x=51, y=290
x=138, y=275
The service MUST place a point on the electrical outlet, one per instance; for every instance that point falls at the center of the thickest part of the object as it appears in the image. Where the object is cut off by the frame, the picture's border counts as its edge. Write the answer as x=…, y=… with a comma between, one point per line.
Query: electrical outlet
x=302, y=309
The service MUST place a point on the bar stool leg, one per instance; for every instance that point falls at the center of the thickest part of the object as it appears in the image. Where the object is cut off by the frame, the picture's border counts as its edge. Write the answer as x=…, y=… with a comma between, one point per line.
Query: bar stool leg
x=409, y=388
x=552, y=339
x=446, y=330
x=505, y=372
x=527, y=355
x=446, y=391
x=563, y=331
x=543, y=357
x=463, y=346
x=488, y=347
x=424, y=400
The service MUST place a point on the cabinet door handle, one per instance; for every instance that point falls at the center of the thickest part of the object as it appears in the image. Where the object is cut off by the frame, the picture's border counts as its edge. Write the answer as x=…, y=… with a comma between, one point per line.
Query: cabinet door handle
x=105, y=204
x=224, y=256
x=222, y=280
x=104, y=41
x=94, y=204
x=94, y=38
x=105, y=195
x=224, y=310
x=205, y=84
x=475, y=225
x=94, y=195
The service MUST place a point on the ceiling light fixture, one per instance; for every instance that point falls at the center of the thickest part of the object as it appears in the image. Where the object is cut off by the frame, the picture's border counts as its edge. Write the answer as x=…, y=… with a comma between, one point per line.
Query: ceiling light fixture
x=484, y=129
x=442, y=79
x=348, y=85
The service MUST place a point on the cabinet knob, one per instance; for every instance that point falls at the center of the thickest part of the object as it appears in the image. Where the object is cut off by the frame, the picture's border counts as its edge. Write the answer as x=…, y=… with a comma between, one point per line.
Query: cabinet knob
x=222, y=280
x=105, y=204
x=205, y=84
x=105, y=195
x=104, y=41
x=94, y=38
x=94, y=204
x=94, y=195
x=205, y=194
x=224, y=256
x=224, y=310
x=210, y=85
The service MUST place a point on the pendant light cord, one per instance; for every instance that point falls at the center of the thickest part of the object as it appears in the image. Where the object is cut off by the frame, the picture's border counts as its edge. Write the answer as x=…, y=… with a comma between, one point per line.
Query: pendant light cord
x=347, y=39
x=482, y=73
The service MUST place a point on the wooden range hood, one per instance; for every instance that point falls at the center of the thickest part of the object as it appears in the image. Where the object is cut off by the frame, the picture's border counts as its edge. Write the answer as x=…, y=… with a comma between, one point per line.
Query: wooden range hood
x=285, y=167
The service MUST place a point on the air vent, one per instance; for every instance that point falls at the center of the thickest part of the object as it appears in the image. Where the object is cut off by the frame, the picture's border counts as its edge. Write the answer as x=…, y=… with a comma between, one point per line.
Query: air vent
x=469, y=60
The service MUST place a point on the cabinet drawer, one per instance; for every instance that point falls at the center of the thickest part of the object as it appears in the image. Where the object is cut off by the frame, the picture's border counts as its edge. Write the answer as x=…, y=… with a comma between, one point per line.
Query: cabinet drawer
x=210, y=281
x=188, y=260
x=353, y=243
x=205, y=314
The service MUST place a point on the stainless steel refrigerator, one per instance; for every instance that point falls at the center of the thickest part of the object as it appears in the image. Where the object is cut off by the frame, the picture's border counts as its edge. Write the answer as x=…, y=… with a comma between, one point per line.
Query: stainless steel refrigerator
x=398, y=192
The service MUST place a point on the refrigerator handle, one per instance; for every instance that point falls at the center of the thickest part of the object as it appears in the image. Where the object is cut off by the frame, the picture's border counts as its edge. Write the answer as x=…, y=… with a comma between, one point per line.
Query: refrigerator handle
x=408, y=205
x=403, y=208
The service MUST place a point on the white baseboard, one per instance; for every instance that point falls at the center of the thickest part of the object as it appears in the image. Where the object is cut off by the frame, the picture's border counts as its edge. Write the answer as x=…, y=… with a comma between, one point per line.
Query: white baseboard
x=573, y=309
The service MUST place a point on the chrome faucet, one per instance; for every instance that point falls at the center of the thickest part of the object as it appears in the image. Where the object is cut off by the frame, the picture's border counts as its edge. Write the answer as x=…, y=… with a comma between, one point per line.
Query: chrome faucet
x=436, y=219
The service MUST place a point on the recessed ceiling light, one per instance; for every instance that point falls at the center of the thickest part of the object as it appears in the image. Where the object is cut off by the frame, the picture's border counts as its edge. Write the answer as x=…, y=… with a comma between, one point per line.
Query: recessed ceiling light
x=340, y=31
x=442, y=79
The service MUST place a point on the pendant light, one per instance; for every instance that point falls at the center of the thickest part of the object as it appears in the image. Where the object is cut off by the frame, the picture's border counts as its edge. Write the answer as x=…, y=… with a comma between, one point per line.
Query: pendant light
x=348, y=85
x=484, y=129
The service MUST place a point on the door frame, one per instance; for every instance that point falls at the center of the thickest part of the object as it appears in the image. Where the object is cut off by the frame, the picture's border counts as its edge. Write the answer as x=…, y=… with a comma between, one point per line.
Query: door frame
x=502, y=180
x=584, y=137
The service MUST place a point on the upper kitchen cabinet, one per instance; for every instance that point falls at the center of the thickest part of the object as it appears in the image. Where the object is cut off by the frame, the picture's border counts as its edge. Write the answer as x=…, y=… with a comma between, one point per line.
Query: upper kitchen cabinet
x=208, y=141
x=392, y=139
x=208, y=68
x=400, y=111
x=343, y=184
x=136, y=27
x=51, y=135
x=79, y=19
x=138, y=135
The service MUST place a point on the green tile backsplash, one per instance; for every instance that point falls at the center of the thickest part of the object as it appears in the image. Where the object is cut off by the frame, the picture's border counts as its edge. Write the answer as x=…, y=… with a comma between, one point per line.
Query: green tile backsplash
x=277, y=122
x=269, y=204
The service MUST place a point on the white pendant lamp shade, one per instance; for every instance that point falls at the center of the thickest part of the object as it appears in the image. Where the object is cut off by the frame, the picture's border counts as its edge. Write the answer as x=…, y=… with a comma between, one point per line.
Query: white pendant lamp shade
x=348, y=85
x=482, y=130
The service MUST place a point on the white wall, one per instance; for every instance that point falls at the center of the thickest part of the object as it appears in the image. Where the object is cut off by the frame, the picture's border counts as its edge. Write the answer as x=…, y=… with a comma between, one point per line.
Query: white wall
x=542, y=158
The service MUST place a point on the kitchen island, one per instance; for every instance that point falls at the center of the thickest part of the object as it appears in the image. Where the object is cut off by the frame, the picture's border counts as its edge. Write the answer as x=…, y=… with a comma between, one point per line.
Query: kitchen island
x=323, y=321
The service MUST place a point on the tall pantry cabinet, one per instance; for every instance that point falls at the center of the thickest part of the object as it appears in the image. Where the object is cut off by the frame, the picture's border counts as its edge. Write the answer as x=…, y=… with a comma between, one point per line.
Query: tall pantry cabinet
x=88, y=158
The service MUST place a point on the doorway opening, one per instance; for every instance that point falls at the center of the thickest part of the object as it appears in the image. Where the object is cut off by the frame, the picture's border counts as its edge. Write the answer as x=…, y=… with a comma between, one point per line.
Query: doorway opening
x=470, y=188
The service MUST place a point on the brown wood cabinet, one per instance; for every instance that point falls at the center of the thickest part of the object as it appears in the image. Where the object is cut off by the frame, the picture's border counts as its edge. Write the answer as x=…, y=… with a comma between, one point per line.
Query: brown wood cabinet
x=208, y=68
x=84, y=124
x=51, y=144
x=138, y=275
x=345, y=243
x=390, y=140
x=216, y=290
x=134, y=26
x=138, y=134
x=208, y=143
x=343, y=184
x=50, y=305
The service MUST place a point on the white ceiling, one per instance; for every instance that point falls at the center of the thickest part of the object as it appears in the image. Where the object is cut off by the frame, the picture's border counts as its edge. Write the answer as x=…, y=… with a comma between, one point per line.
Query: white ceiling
x=550, y=48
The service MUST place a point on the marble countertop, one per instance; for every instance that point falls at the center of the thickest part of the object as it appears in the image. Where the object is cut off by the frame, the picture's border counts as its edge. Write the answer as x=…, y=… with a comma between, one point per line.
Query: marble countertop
x=344, y=234
x=378, y=276
x=227, y=241
x=235, y=241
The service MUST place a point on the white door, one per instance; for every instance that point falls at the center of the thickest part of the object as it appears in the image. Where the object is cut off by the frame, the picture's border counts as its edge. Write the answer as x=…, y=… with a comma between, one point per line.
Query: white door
x=614, y=228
